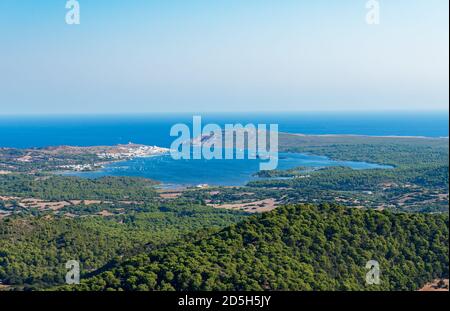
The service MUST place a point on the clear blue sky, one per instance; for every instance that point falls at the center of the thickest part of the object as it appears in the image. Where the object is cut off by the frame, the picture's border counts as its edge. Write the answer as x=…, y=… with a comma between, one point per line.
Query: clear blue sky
x=222, y=55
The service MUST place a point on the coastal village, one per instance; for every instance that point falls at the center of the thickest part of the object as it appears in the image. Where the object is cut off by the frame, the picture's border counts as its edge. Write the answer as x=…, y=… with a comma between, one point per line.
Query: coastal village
x=71, y=158
x=122, y=152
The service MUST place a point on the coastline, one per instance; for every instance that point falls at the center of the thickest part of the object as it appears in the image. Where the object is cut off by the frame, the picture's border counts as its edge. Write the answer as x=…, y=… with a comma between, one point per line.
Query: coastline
x=370, y=136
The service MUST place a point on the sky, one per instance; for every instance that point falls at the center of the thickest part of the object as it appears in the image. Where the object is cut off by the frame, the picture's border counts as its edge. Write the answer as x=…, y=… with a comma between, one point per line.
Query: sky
x=143, y=56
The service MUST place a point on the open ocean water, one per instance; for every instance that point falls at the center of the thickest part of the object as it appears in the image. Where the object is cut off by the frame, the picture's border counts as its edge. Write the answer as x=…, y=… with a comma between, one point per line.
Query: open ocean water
x=42, y=131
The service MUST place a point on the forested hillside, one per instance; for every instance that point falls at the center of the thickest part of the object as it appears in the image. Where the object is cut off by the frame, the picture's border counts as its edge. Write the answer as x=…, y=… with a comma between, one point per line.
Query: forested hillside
x=302, y=247
x=53, y=187
x=105, y=223
x=34, y=250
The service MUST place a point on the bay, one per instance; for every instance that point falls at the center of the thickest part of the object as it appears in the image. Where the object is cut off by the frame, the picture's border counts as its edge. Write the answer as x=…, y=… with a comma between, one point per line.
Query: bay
x=177, y=173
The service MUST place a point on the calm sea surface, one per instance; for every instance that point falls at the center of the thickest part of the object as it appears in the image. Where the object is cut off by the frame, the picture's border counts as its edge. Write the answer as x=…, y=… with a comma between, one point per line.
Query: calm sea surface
x=173, y=173
x=23, y=132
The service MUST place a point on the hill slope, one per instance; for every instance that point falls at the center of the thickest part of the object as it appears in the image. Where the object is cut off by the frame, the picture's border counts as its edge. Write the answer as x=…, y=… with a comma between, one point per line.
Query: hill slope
x=301, y=247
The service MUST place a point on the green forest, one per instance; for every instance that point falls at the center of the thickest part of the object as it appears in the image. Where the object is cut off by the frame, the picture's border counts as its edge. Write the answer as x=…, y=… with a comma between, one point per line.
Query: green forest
x=302, y=247
x=53, y=187
x=34, y=250
x=132, y=234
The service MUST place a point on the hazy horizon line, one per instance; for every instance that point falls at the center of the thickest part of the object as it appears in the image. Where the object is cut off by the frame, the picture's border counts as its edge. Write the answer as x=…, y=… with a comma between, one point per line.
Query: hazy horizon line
x=146, y=113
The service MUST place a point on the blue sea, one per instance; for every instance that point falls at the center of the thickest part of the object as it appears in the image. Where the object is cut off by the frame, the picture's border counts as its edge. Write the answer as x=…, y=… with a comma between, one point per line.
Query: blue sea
x=42, y=131
x=179, y=173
